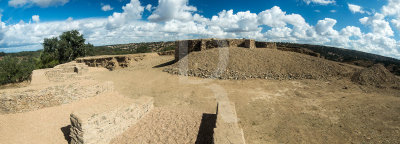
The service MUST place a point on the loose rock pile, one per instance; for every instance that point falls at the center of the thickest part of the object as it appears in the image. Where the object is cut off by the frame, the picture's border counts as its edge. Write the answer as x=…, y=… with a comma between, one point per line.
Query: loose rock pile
x=240, y=64
x=378, y=76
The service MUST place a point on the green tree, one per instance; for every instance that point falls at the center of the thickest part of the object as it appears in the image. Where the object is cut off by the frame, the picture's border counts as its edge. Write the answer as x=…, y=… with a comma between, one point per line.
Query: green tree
x=13, y=69
x=143, y=49
x=69, y=46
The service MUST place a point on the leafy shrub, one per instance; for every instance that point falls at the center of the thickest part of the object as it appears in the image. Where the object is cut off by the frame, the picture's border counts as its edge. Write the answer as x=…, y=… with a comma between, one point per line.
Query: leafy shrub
x=13, y=69
x=143, y=49
x=168, y=48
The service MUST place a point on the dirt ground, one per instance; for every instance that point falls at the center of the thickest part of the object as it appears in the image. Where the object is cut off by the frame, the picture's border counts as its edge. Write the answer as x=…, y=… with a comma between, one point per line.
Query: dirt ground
x=273, y=111
x=269, y=111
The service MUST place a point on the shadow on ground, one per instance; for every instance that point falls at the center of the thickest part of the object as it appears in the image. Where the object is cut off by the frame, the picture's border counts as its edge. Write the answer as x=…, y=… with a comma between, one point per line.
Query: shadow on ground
x=206, y=130
x=66, y=130
x=165, y=64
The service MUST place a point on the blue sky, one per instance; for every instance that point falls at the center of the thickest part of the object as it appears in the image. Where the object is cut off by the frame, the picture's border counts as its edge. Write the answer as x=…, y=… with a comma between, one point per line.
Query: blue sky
x=371, y=26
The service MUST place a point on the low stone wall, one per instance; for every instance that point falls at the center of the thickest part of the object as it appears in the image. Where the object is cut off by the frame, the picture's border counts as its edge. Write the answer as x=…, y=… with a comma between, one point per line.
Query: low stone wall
x=60, y=73
x=33, y=98
x=100, y=124
x=112, y=62
x=184, y=47
x=227, y=130
x=270, y=45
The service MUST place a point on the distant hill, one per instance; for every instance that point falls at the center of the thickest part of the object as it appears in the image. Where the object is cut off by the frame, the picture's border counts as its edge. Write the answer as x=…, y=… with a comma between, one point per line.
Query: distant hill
x=347, y=56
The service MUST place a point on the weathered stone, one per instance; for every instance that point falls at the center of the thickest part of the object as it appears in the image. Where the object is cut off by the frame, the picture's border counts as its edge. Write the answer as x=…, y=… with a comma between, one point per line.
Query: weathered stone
x=33, y=98
x=227, y=130
x=113, y=61
x=60, y=73
x=249, y=43
x=184, y=47
x=100, y=124
x=270, y=45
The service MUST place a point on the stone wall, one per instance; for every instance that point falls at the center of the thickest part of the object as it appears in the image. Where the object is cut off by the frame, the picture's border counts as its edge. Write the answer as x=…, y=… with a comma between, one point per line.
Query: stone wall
x=60, y=73
x=227, y=130
x=112, y=62
x=100, y=124
x=270, y=45
x=33, y=98
x=184, y=47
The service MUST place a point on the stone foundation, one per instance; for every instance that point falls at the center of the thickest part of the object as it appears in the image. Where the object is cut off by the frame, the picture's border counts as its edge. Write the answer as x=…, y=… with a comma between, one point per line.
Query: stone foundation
x=112, y=62
x=184, y=47
x=270, y=45
x=227, y=130
x=33, y=98
x=60, y=73
x=100, y=124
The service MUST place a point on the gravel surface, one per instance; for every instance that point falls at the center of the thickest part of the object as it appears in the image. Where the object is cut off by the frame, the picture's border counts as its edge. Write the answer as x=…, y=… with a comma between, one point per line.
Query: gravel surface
x=376, y=75
x=242, y=63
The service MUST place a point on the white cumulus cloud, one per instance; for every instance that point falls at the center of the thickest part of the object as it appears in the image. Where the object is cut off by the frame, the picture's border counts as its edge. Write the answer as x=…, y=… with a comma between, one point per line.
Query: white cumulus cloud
x=378, y=24
x=320, y=2
x=148, y=7
x=41, y=3
x=106, y=8
x=35, y=18
x=172, y=9
x=396, y=23
x=392, y=8
x=131, y=12
x=355, y=8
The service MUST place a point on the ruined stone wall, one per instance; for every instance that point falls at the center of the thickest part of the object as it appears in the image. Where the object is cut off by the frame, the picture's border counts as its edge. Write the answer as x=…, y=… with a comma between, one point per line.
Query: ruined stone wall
x=227, y=129
x=112, y=62
x=62, y=84
x=33, y=98
x=270, y=45
x=100, y=124
x=61, y=73
x=184, y=47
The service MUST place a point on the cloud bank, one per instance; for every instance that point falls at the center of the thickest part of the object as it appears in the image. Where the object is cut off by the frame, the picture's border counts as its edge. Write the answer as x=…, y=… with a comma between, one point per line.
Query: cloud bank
x=175, y=19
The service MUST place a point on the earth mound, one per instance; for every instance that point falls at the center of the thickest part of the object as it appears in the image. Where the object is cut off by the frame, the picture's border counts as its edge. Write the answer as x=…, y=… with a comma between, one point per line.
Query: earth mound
x=376, y=75
x=241, y=63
